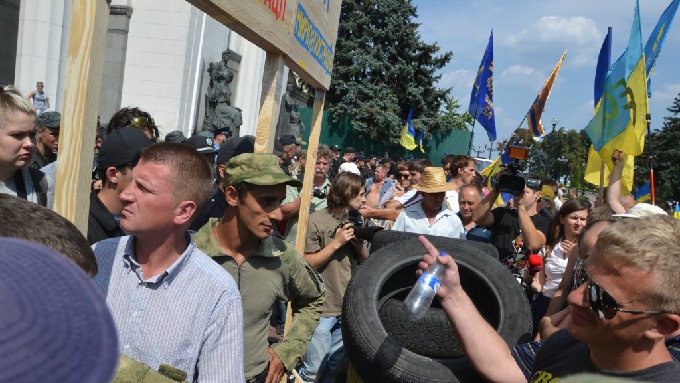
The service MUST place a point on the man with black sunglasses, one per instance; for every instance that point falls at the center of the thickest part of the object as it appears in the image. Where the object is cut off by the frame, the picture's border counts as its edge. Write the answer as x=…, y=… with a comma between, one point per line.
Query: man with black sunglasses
x=621, y=315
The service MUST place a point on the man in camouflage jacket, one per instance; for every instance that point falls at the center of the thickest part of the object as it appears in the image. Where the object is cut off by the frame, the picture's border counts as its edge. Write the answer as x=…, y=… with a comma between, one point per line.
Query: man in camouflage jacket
x=265, y=267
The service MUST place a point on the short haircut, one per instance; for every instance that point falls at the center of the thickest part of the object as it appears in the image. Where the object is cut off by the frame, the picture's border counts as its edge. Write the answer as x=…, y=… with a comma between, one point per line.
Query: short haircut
x=477, y=188
x=11, y=99
x=124, y=117
x=448, y=159
x=402, y=167
x=419, y=165
x=651, y=243
x=27, y=220
x=191, y=173
x=344, y=187
x=459, y=162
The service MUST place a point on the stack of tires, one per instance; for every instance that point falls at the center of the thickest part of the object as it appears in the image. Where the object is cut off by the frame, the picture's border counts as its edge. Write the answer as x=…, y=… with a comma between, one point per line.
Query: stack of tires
x=383, y=341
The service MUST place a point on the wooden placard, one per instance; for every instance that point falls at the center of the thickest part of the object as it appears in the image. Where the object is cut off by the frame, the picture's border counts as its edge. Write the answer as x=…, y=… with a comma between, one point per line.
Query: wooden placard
x=303, y=31
x=84, y=65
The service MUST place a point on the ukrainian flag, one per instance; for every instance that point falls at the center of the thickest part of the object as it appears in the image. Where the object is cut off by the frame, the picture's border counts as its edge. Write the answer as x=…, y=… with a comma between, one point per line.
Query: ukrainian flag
x=620, y=121
x=676, y=213
x=643, y=194
x=408, y=133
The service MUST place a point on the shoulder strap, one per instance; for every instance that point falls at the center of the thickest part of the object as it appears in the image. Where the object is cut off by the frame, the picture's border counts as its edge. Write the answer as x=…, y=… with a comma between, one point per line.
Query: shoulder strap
x=39, y=181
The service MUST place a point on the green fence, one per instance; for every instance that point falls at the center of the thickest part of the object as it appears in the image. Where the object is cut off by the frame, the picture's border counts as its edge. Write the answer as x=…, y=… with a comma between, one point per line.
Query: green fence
x=436, y=146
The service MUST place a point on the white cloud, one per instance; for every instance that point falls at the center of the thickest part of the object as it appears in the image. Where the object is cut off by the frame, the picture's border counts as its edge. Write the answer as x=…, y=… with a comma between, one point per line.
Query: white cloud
x=575, y=30
x=665, y=94
x=521, y=75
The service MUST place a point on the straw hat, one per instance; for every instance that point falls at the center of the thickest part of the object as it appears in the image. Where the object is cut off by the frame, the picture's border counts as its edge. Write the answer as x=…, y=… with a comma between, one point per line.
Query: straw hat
x=433, y=180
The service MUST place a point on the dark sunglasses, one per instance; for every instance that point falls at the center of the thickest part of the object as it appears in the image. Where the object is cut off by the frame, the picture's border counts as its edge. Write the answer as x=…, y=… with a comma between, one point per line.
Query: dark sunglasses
x=405, y=176
x=599, y=300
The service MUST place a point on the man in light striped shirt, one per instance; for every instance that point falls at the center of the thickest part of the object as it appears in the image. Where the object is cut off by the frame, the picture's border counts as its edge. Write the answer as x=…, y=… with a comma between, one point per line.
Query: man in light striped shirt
x=172, y=304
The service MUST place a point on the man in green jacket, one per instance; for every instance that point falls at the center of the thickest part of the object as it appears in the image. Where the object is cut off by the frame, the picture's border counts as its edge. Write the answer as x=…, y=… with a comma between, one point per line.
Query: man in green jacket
x=265, y=267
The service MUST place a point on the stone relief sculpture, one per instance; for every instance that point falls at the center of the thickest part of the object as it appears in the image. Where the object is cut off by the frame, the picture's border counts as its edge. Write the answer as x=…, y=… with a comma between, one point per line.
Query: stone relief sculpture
x=289, y=118
x=219, y=113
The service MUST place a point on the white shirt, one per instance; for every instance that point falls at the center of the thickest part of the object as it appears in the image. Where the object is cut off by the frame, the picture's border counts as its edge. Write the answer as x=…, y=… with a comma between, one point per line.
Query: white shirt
x=555, y=266
x=451, y=201
x=413, y=220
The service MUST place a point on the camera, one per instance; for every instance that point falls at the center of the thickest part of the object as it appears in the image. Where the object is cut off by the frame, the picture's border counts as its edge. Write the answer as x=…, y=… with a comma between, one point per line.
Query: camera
x=364, y=233
x=512, y=180
x=318, y=193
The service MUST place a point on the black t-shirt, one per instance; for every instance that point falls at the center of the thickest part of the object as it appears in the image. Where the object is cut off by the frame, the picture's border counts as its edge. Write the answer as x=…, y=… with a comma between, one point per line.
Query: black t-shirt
x=507, y=239
x=562, y=355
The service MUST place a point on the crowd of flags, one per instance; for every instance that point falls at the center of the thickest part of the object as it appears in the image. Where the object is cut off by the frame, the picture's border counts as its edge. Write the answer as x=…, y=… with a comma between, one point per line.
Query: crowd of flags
x=621, y=94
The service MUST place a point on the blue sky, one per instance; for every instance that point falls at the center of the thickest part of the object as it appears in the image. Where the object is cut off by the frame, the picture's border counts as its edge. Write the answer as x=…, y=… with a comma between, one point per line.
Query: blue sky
x=529, y=38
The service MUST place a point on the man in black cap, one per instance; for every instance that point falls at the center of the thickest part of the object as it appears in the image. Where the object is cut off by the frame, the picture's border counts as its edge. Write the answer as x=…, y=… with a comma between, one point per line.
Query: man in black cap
x=348, y=156
x=47, y=140
x=216, y=204
x=204, y=146
x=288, y=151
x=175, y=136
x=335, y=161
x=119, y=153
x=219, y=136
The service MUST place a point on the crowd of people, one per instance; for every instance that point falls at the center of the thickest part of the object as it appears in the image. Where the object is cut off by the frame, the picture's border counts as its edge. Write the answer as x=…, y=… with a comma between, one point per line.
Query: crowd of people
x=191, y=245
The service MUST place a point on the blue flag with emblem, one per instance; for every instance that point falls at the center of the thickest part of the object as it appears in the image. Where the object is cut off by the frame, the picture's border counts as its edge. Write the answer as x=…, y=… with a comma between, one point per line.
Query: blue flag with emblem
x=620, y=121
x=657, y=38
x=481, y=98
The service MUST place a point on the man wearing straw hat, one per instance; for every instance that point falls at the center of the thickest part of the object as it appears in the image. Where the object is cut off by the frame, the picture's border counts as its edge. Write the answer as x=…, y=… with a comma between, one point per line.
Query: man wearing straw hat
x=430, y=216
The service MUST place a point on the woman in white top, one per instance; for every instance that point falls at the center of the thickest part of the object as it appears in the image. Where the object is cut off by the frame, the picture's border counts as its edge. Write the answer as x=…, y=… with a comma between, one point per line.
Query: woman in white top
x=562, y=237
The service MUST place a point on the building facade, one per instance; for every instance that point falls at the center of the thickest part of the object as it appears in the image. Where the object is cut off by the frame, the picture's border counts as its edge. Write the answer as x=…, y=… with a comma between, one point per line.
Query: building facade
x=156, y=58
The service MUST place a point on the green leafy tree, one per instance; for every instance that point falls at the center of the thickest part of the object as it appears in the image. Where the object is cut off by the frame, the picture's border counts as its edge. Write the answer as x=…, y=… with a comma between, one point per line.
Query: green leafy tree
x=560, y=155
x=382, y=68
x=666, y=151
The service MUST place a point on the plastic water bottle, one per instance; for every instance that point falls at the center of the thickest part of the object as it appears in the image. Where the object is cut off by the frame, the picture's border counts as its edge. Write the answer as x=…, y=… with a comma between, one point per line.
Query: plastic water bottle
x=423, y=292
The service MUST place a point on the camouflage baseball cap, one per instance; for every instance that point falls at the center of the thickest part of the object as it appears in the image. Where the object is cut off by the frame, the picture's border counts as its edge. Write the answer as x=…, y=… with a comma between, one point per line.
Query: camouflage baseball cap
x=257, y=169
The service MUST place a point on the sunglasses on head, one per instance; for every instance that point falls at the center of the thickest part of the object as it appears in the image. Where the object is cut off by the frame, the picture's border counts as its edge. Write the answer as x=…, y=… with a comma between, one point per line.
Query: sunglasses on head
x=141, y=122
x=599, y=300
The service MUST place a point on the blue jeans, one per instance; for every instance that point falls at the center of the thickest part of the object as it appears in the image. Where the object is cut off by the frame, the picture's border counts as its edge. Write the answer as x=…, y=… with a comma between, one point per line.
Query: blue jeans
x=325, y=352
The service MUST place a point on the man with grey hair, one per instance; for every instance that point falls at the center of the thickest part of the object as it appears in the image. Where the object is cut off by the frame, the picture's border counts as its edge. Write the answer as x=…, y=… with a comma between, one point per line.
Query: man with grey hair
x=624, y=309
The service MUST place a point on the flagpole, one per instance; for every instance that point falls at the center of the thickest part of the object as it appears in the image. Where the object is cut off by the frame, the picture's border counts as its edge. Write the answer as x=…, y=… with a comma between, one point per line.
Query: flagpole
x=472, y=136
x=651, y=158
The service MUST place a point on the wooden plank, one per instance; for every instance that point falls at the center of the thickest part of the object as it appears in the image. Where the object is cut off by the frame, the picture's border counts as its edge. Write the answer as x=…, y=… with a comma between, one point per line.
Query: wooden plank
x=84, y=64
x=272, y=85
x=313, y=145
x=304, y=31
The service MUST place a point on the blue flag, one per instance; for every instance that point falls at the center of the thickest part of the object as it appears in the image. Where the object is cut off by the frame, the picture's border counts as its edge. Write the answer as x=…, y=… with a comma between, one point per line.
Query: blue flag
x=481, y=98
x=620, y=121
x=408, y=133
x=604, y=61
x=657, y=38
x=676, y=212
x=643, y=194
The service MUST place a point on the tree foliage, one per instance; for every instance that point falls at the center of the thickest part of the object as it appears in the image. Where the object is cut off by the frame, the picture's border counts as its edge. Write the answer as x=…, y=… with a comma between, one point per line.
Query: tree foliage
x=666, y=151
x=382, y=68
x=561, y=155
